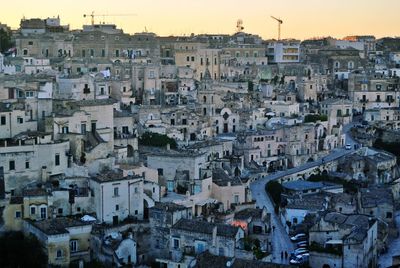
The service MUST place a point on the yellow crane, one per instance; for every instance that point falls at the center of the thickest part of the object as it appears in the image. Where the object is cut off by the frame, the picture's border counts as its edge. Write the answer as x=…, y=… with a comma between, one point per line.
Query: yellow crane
x=279, y=26
x=92, y=15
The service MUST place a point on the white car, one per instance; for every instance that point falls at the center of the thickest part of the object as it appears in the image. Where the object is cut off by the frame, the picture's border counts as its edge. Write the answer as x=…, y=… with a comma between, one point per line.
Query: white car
x=303, y=255
x=298, y=237
x=300, y=251
x=348, y=147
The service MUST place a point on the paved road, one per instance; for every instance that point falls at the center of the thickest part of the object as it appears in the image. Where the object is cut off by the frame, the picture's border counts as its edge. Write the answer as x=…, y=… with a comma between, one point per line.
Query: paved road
x=385, y=260
x=280, y=240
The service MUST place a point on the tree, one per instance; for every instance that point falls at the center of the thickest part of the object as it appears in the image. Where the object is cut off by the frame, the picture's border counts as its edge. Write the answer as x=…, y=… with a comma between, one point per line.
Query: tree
x=157, y=140
x=5, y=40
x=274, y=189
x=18, y=250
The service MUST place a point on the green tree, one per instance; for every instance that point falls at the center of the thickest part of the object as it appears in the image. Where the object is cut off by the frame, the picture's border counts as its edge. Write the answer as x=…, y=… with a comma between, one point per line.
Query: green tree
x=274, y=189
x=315, y=117
x=18, y=250
x=5, y=40
x=157, y=140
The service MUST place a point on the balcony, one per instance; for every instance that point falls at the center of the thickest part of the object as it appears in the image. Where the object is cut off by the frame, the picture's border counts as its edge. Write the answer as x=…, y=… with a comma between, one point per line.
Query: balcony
x=364, y=100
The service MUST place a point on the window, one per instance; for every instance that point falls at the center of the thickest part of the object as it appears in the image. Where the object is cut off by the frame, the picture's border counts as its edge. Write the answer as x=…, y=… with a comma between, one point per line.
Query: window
x=136, y=212
x=236, y=198
x=103, y=53
x=257, y=229
x=83, y=53
x=59, y=253
x=73, y=245
x=117, y=53
x=176, y=243
x=20, y=120
x=115, y=191
x=83, y=128
x=27, y=164
x=136, y=190
x=116, y=207
x=60, y=211
x=192, y=58
x=389, y=215
x=29, y=94
x=11, y=165
x=3, y=120
x=92, y=52
x=33, y=210
x=43, y=213
x=57, y=159
x=200, y=248
x=17, y=214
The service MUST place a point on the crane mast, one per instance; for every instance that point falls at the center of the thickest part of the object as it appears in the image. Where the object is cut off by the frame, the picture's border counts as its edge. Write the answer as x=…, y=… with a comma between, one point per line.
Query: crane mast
x=279, y=26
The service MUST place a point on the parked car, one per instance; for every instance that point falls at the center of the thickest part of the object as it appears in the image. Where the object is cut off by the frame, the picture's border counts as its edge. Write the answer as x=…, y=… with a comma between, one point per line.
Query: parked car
x=299, y=260
x=303, y=255
x=348, y=146
x=300, y=250
x=295, y=255
x=302, y=244
x=298, y=237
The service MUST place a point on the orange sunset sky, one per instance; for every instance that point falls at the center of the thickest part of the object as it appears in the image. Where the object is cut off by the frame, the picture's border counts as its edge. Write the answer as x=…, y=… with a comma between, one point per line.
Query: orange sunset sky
x=302, y=18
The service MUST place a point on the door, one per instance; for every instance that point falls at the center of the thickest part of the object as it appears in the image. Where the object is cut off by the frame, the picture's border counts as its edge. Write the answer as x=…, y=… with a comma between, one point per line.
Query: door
x=93, y=126
x=115, y=220
x=225, y=127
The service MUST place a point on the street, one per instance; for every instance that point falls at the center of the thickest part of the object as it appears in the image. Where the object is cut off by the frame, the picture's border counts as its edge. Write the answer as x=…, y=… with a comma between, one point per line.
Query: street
x=385, y=260
x=280, y=239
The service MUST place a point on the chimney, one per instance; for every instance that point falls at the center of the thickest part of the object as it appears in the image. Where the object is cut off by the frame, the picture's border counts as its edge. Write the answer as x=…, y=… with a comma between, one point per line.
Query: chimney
x=44, y=174
x=168, y=146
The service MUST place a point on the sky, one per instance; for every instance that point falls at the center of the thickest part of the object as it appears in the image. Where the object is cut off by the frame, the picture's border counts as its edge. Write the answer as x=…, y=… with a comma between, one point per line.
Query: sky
x=301, y=18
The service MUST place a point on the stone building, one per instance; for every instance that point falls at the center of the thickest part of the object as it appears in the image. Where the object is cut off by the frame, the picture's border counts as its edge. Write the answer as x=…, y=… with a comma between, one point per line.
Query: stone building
x=117, y=197
x=65, y=240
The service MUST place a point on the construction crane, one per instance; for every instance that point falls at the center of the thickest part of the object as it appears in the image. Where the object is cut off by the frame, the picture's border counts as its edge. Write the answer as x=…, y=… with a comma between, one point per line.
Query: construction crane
x=279, y=26
x=92, y=15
